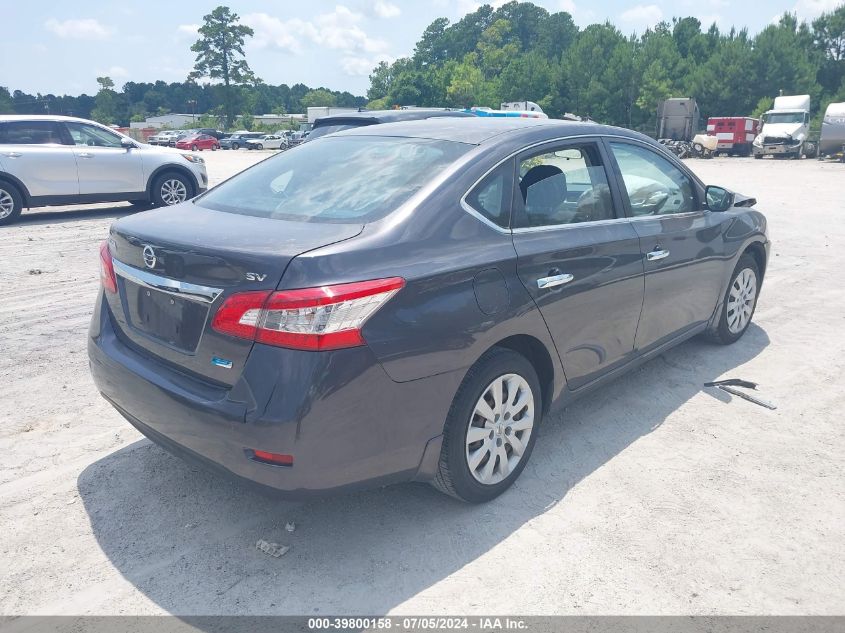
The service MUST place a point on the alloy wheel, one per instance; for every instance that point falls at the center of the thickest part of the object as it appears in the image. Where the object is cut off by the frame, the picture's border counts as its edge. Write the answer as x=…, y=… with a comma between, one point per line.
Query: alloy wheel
x=741, y=300
x=173, y=191
x=7, y=204
x=499, y=429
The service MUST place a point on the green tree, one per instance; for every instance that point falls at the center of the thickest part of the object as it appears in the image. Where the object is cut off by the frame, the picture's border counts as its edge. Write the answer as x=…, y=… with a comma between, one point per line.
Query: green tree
x=318, y=97
x=105, y=110
x=220, y=55
x=5, y=101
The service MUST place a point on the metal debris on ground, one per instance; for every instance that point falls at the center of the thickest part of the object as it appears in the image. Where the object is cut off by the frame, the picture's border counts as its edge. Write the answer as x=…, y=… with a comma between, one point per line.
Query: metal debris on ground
x=290, y=526
x=272, y=549
x=728, y=386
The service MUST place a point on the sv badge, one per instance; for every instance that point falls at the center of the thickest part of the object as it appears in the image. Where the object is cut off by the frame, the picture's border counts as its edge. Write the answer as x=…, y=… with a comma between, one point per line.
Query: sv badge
x=255, y=277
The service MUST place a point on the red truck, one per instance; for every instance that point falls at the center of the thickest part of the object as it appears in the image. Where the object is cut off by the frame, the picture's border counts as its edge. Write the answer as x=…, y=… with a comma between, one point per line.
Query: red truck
x=734, y=134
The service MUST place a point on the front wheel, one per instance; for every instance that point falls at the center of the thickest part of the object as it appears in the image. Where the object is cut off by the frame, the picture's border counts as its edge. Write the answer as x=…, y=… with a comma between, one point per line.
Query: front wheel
x=259, y=146
x=235, y=146
x=491, y=427
x=171, y=188
x=214, y=148
x=739, y=303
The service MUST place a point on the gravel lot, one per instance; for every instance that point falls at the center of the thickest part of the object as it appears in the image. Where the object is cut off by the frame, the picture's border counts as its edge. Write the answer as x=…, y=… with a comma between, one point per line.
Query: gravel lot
x=650, y=496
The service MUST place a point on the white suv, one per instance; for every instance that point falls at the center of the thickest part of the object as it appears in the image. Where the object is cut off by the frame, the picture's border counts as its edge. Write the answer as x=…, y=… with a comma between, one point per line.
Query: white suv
x=50, y=160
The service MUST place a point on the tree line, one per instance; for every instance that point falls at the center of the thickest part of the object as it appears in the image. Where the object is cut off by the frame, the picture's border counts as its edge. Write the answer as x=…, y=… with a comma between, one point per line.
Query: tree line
x=517, y=52
x=521, y=51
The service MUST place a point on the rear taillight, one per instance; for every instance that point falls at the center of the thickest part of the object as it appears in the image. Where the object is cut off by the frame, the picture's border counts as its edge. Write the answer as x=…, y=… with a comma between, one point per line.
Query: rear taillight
x=328, y=317
x=107, y=277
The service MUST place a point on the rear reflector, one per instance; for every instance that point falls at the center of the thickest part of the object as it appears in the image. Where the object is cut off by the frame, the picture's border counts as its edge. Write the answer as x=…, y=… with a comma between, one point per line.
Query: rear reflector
x=107, y=277
x=328, y=317
x=276, y=459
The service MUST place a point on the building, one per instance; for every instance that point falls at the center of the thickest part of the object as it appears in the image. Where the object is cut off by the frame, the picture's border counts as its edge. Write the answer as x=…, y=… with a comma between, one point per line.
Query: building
x=172, y=120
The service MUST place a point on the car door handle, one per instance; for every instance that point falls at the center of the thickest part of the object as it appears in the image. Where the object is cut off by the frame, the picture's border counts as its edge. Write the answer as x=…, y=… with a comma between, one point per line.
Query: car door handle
x=554, y=281
x=12, y=154
x=654, y=256
x=85, y=155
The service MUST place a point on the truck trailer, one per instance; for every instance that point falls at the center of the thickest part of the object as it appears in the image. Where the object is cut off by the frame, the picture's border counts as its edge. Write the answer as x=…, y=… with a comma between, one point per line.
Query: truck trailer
x=677, y=119
x=734, y=134
x=832, y=140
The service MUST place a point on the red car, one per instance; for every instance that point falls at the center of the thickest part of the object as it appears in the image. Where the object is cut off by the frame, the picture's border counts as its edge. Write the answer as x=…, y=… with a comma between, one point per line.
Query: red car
x=198, y=143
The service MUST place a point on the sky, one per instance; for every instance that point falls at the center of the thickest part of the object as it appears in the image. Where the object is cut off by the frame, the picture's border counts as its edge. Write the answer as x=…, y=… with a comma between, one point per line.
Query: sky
x=61, y=48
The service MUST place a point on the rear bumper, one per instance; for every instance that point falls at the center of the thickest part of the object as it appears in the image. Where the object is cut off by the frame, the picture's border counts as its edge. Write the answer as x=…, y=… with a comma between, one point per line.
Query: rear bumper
x=347, y=424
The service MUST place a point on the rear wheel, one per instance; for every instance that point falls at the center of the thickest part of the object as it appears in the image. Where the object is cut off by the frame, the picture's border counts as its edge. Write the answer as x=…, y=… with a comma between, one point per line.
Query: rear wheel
x=194, y=147
x=491, y=427
x=739, y=303
x=235, y=146
x=214, y=148
x=11, y=203
x=171, y=188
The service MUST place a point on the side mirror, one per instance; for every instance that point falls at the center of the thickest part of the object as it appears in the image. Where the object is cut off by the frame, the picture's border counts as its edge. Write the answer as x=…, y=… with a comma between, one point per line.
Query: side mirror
x=718, y=198
x=127, y=143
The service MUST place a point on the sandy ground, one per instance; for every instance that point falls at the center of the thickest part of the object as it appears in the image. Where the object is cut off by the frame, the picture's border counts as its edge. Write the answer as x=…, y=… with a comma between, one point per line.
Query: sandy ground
x=650, y=496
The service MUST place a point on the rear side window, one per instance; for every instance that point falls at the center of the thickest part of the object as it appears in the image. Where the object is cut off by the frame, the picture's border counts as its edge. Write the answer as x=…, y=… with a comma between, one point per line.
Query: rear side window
x=567, y=185
x=491, y=197
x=654, y=185
x=339, y=179
x=29, y=133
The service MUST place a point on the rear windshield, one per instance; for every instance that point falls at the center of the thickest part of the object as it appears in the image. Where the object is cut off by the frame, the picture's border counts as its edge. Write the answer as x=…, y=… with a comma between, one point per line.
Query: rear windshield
x=336, y=179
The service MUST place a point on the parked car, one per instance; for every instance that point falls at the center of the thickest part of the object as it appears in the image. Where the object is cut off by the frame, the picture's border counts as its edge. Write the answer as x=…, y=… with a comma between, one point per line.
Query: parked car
x=180, y=135
x=163, y=137
x=198, y=142
x=50, y=160
x=349, y=120
x=314, y=327
x=238, y=140
x=268, y=141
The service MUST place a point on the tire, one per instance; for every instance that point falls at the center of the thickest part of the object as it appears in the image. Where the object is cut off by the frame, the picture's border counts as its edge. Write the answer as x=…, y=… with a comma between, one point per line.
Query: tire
x=454, y=476
x=727, y=330
x=259, y=146
x=11, y=203
x=214, y=148
x=166, y=192
x=758, y=156
x=194, y=147
x=235, y=146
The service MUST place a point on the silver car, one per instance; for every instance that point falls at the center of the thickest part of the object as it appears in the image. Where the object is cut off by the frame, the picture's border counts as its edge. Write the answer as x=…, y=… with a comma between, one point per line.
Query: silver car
x=57, y=160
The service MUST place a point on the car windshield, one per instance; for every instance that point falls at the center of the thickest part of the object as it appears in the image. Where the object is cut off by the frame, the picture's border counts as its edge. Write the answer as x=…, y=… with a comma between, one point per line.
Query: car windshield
x=323, y=130
x=338, y=179
x=785, y=117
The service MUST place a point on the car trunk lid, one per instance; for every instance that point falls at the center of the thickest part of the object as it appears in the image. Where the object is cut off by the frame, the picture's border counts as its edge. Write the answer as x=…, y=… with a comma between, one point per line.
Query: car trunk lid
x=175, y=266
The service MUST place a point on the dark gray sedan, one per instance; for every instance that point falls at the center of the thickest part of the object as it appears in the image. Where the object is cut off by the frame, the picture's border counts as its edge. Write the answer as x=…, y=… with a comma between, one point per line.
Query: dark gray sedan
x=407, y=301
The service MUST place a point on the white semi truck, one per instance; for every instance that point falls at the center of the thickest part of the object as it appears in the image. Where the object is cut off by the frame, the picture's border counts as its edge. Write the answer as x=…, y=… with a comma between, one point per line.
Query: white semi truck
x=786, y=128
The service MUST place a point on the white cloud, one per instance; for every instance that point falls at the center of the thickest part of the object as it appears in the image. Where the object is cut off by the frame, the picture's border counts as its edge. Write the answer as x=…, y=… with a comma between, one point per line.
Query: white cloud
x=644, y=15
x=338, y=30
x=271, y=32
x=384, y=9
x=811, y=9
x=360, y=66
x=80, y=29
x=569, y=6
x=115, y=72
x=188, y=29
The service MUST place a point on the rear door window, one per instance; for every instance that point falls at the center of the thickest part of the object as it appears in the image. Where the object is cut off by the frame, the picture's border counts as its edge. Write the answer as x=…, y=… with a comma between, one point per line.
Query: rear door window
x=560, y=186
x=30, y=133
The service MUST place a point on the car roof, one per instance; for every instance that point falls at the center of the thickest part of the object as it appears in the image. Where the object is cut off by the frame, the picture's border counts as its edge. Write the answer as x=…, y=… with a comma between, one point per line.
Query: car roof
x=371, y=117
x=479, y=130
x=44, y=117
